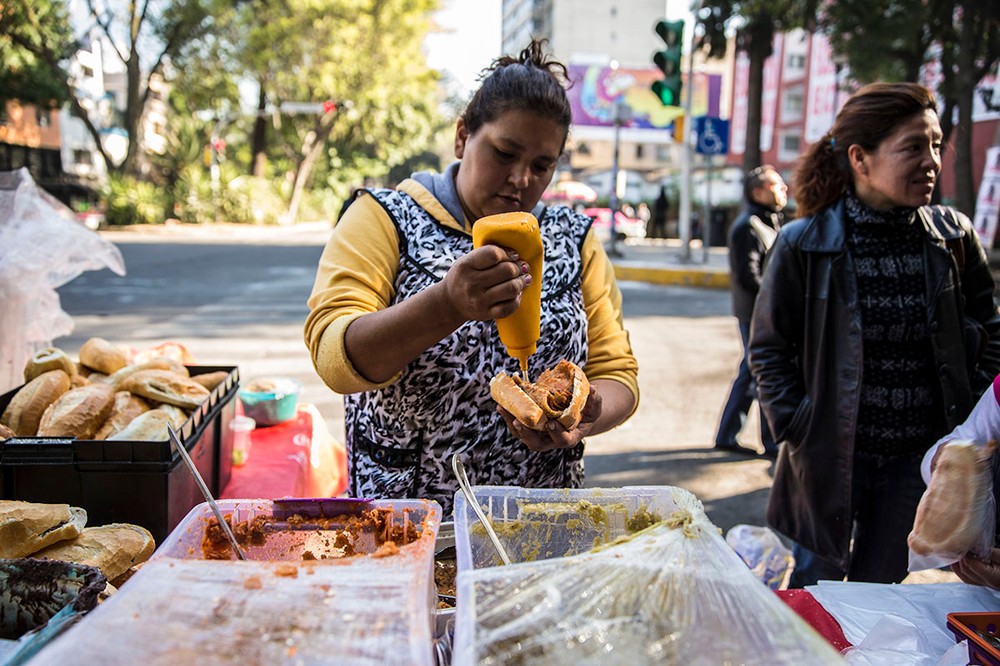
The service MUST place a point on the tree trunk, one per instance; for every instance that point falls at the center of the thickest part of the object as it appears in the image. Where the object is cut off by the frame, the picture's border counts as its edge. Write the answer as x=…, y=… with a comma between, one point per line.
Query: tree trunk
x=311, y=150
x=965, y=87
x=133, y=111
x=258, y=140
x=760, y=36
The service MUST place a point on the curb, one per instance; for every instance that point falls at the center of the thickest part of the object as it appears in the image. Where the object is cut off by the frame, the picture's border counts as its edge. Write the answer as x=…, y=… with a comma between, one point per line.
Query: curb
x=684, y=277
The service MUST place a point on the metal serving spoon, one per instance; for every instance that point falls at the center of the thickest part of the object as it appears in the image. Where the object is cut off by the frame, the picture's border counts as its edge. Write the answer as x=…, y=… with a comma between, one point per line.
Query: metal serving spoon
x=463, y=481
x=176, y=441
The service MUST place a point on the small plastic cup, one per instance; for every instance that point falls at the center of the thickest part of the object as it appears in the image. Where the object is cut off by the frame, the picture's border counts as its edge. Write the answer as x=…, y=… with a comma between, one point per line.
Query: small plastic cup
x=242, y=426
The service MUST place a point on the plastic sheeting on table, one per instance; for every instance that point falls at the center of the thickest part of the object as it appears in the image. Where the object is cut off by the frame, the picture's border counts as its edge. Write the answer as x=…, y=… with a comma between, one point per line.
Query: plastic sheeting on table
x=859, y=608
x=42, y=247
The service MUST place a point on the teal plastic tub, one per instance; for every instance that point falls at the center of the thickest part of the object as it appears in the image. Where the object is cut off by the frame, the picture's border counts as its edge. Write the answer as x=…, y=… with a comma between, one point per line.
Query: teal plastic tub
x=270, y=400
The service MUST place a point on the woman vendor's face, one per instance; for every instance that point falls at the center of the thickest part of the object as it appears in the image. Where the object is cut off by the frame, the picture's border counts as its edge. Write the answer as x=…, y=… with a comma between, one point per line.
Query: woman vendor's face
x=507, y=163
x=902, y=170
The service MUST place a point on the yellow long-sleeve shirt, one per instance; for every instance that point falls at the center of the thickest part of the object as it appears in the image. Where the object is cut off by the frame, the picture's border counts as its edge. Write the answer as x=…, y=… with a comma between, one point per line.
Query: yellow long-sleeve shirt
x=357, y=272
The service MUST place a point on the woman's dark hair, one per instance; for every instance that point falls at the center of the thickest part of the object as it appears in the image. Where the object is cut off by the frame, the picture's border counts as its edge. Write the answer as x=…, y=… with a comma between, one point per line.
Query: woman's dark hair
x=531, y=81
x=867, y=118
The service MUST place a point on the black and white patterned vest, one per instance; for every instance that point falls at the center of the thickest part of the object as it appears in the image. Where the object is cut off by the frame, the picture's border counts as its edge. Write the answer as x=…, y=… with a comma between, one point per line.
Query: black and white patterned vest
x=400, y=439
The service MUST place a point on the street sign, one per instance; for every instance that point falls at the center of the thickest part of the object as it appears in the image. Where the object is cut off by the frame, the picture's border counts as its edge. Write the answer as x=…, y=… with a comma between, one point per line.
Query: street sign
x=712, y=135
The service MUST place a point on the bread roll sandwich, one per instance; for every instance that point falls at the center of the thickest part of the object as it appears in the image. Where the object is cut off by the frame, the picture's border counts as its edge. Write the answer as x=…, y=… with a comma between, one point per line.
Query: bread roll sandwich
x=951, y=518
x=101, y=356
x=27, y=527
x=79, y=412
x=24, y=411
x=559, y=393
x=48, y=359
x=111, y=548
x=166, y=386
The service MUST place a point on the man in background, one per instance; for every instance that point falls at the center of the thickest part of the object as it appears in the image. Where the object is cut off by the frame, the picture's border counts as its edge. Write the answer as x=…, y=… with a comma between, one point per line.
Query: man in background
x=750, y=236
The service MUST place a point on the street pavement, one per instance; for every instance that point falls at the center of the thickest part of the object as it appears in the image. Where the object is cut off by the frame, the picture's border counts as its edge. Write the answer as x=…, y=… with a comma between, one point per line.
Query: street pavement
x=235, y=295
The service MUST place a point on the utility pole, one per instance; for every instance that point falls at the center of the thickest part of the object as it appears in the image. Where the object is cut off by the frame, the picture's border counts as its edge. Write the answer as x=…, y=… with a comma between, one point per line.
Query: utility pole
x=684, y=221
x=622, y=114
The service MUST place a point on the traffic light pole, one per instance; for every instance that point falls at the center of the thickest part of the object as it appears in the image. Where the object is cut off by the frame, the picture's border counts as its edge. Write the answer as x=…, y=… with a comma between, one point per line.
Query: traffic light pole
x=684, y=222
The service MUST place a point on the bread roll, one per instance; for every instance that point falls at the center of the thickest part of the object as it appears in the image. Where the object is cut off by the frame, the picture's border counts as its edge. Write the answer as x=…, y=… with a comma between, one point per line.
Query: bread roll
x=168, y=387
x=126, y=408
x=211, y=379
x=161, y=363
x=48, y=359
x=27, y=527
x=111, y=548
x=951, y=516
x=177, y=415
x=149, y=426
x=78, y=412
x=100, y=355
x=25, y=410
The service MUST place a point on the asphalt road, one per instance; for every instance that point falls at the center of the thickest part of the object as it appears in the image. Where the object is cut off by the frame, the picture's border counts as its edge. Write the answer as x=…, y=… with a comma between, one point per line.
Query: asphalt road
x=242, y=301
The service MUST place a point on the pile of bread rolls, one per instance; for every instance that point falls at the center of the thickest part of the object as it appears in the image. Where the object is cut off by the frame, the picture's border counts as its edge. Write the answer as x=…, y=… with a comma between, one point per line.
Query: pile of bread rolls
x=103, y=396
x=59, y=532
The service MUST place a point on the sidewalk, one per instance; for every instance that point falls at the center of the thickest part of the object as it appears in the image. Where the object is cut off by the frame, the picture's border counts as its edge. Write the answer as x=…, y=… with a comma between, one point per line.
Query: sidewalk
x=663, y=261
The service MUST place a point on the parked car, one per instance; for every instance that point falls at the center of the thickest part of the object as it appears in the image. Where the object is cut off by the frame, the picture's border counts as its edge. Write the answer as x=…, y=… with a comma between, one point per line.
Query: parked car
x=625, y=226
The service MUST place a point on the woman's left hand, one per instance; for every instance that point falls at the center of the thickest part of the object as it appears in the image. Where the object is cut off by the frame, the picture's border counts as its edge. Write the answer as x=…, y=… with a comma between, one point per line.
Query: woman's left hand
x=554, y=435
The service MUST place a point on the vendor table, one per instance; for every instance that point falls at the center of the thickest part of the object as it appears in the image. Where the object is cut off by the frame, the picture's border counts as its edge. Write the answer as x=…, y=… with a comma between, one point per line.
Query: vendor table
x=298, y=458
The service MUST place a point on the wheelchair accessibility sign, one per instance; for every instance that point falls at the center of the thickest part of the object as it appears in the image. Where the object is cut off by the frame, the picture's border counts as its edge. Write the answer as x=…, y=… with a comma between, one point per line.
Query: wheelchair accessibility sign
x=712, y=135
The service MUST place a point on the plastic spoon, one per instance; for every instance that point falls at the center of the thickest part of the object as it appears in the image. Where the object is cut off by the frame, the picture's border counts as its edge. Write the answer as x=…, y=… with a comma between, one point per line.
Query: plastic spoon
x=463, y=481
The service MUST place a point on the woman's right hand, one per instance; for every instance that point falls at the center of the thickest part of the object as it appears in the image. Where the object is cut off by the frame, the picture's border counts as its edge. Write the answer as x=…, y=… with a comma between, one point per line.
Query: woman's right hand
x=486, y=284
x=975, y=571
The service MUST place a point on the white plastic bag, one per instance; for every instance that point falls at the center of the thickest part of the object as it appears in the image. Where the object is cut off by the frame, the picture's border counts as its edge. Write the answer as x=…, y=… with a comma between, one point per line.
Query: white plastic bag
x=763, y=552
x=956, y=514
x=42, y=247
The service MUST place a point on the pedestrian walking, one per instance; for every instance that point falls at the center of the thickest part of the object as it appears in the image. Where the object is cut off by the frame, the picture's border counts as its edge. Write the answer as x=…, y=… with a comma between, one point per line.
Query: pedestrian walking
x=661, y=207
x=402, y=312
x=752, y=233
x=874, y=333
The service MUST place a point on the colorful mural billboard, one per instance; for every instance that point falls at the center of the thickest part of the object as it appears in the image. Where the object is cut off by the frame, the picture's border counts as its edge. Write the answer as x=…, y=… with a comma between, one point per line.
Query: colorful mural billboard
x=596, y=89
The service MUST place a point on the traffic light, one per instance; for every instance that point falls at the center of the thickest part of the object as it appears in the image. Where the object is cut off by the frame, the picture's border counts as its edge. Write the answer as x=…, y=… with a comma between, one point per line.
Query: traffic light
x=669, y=62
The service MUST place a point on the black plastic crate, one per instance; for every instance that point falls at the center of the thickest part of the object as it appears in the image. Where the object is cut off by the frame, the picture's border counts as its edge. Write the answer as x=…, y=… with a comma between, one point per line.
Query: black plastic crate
x=145, y=483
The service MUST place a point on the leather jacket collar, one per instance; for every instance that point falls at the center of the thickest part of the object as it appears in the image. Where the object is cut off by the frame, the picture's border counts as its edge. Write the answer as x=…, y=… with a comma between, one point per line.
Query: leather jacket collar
x=824, y=232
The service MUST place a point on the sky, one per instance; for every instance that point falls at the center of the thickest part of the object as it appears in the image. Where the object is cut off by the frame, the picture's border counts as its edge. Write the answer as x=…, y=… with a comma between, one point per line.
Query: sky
x=469, y=41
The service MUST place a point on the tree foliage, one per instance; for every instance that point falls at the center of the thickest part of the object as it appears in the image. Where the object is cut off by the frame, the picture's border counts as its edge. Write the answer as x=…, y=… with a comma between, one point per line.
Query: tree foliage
x=755, y=22
x=35, y=35
x=891, y=40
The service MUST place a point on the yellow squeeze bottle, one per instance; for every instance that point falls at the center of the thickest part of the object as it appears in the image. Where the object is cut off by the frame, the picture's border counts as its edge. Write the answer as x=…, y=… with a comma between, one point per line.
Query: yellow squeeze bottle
x=518, y=231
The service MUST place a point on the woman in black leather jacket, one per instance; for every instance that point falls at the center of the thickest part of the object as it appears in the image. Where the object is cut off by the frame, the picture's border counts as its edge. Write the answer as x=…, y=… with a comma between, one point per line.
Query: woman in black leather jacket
x=873, y=335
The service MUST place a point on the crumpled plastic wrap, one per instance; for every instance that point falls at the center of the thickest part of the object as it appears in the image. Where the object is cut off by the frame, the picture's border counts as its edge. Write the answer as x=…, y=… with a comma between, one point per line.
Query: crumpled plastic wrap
x=672, y=592
x=763, y=551
x=42, y=247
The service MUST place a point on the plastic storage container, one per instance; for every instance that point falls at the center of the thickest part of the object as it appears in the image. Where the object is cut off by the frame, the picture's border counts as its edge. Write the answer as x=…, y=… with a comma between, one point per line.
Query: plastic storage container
x=270, y=400
x=286, y=541
x=635, y=575
x=178, y=608
x=537, y=524
x=982, y=630
x=145, y=483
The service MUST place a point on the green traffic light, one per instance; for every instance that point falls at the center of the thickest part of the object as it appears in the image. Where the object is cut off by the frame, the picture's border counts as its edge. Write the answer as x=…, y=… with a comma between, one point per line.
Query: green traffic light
x=668, y=96
x=668, y=61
